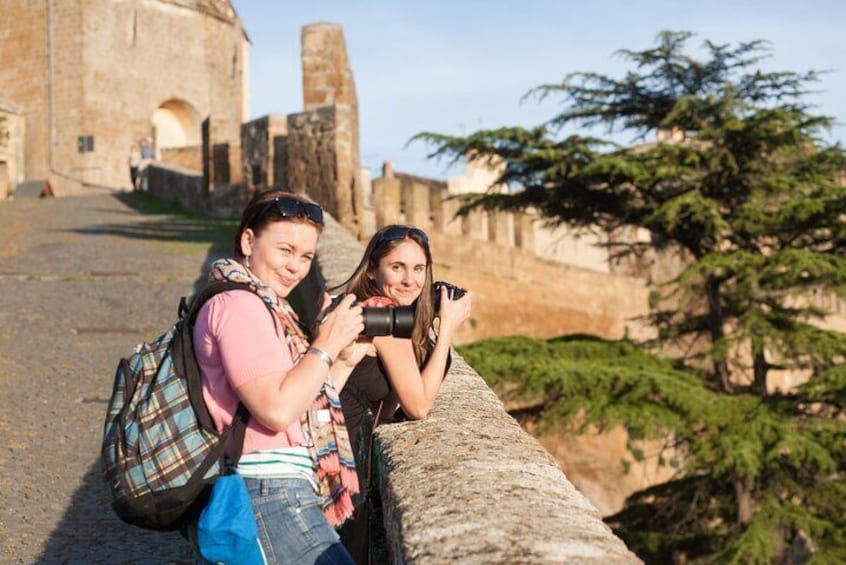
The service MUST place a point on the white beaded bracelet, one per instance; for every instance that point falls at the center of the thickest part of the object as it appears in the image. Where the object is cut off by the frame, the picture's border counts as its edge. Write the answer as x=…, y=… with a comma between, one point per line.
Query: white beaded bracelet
x=325, y=357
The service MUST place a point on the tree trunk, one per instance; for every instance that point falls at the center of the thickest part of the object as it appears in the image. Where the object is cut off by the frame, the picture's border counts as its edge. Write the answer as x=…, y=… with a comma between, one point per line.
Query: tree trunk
x=760, y=368
x=715, y=328
x=743, y=496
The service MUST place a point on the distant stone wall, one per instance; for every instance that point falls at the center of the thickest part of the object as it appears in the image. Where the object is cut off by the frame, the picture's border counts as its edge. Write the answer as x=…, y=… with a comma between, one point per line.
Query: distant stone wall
x=517, y=293
x=183, y=157
x=23, y=74
x=468, y=484
x=186, y=188
x=264, y=152
x=172, y=184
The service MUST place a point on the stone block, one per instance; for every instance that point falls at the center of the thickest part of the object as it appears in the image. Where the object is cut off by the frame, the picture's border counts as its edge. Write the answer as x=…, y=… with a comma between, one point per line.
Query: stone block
x=524, y=232
x=386, y=201
x=475, y=225
x=500, y=227
x=418, y=206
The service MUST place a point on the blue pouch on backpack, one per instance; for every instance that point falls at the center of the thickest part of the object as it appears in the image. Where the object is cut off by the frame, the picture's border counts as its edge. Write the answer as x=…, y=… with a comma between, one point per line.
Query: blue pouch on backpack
x=227, y=531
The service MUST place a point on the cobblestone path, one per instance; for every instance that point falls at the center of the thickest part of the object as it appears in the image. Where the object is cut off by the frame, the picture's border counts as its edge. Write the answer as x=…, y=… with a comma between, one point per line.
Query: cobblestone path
x=82, y=280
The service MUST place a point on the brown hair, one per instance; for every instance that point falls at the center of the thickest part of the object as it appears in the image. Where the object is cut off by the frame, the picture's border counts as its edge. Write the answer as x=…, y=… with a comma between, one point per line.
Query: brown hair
x=258, y=214
x=364, y=287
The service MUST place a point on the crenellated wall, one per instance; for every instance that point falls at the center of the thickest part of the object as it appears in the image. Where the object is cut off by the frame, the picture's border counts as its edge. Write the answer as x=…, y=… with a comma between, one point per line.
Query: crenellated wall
x=517, y=289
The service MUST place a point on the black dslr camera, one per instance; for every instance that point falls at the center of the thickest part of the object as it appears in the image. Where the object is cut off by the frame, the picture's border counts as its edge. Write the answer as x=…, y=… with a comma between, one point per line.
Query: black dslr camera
x=453, y=293
x=398, y=321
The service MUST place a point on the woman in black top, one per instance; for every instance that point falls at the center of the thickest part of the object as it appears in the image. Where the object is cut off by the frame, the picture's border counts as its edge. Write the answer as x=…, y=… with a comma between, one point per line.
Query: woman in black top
x=396, y=270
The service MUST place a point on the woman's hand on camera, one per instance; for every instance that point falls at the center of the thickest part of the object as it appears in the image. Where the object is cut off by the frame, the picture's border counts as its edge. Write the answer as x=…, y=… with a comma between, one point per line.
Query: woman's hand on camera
x=340, y=327
x=453, y=313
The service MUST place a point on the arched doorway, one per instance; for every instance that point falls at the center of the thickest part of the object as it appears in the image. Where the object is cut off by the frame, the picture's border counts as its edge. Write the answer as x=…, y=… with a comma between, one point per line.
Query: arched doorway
x=176, y=123
x=177, y=134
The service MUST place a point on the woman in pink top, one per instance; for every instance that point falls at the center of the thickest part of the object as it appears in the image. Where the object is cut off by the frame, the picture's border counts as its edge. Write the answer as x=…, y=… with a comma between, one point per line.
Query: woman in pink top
x=296, y=458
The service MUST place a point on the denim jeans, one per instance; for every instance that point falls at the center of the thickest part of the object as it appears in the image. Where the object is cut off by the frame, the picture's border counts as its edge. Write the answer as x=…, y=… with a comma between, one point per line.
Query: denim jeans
x=291, y=525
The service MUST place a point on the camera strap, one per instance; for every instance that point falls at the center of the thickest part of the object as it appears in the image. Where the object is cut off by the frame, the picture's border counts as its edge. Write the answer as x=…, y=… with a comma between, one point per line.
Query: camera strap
x=370, y=443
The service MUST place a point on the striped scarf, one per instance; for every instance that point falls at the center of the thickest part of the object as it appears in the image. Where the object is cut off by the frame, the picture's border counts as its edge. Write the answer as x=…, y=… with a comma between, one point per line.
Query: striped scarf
x=327, y=439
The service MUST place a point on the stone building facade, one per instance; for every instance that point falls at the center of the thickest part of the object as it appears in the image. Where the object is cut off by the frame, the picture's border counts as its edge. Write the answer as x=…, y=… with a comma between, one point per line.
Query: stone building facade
x=92, y=77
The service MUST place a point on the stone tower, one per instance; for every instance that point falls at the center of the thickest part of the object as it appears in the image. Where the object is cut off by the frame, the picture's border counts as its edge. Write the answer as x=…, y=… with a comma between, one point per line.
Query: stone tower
x=323, y=140
x=92, y=77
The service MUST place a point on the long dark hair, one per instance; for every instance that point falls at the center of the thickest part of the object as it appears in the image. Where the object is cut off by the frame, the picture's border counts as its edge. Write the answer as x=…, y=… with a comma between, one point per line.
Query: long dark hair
x=364, y=287
x=258, y=214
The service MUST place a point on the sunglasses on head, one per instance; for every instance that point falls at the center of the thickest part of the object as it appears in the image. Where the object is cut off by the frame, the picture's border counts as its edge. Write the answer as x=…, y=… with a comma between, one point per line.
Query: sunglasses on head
x=401, y=232
x=290, y=208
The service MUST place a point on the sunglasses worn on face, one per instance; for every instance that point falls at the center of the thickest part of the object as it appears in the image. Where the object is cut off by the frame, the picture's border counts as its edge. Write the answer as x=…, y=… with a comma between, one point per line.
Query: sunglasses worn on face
x=289, y=208
x=401, y=232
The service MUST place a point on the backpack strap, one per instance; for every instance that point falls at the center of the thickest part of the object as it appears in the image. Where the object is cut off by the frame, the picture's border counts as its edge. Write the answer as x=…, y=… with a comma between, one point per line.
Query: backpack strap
x=185, y=364
x=212, y=289
x=239, y=430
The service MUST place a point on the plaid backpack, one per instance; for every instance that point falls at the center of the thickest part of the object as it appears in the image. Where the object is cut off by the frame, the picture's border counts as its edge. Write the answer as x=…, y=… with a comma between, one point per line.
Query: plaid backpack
x=161, y=450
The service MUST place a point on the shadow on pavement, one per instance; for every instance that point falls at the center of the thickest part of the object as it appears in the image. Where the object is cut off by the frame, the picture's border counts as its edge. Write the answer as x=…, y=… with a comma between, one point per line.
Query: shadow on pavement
x=90, y=532
x=164, y=222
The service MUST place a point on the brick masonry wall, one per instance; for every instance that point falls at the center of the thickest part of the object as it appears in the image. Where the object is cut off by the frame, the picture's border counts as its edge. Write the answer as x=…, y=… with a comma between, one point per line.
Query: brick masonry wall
x=133, y=65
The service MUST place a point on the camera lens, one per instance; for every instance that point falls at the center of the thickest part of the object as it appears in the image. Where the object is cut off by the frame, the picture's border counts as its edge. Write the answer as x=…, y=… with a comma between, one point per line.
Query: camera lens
x=397, y=321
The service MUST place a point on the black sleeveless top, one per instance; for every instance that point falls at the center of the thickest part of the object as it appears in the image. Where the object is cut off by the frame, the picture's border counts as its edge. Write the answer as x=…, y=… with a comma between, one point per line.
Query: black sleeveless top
x=365, y=388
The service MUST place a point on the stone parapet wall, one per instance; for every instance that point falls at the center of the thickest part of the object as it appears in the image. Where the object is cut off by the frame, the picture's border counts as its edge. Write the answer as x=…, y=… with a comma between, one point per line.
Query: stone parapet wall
x=172, y=184
x=186, y=188
x=468, y=484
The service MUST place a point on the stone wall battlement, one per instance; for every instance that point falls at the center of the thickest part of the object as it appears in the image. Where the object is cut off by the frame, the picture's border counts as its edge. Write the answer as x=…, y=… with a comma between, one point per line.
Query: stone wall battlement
x=428, y=204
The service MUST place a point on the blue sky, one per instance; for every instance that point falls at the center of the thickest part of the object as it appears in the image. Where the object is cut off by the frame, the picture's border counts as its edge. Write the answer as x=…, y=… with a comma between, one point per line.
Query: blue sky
x=459, y=66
